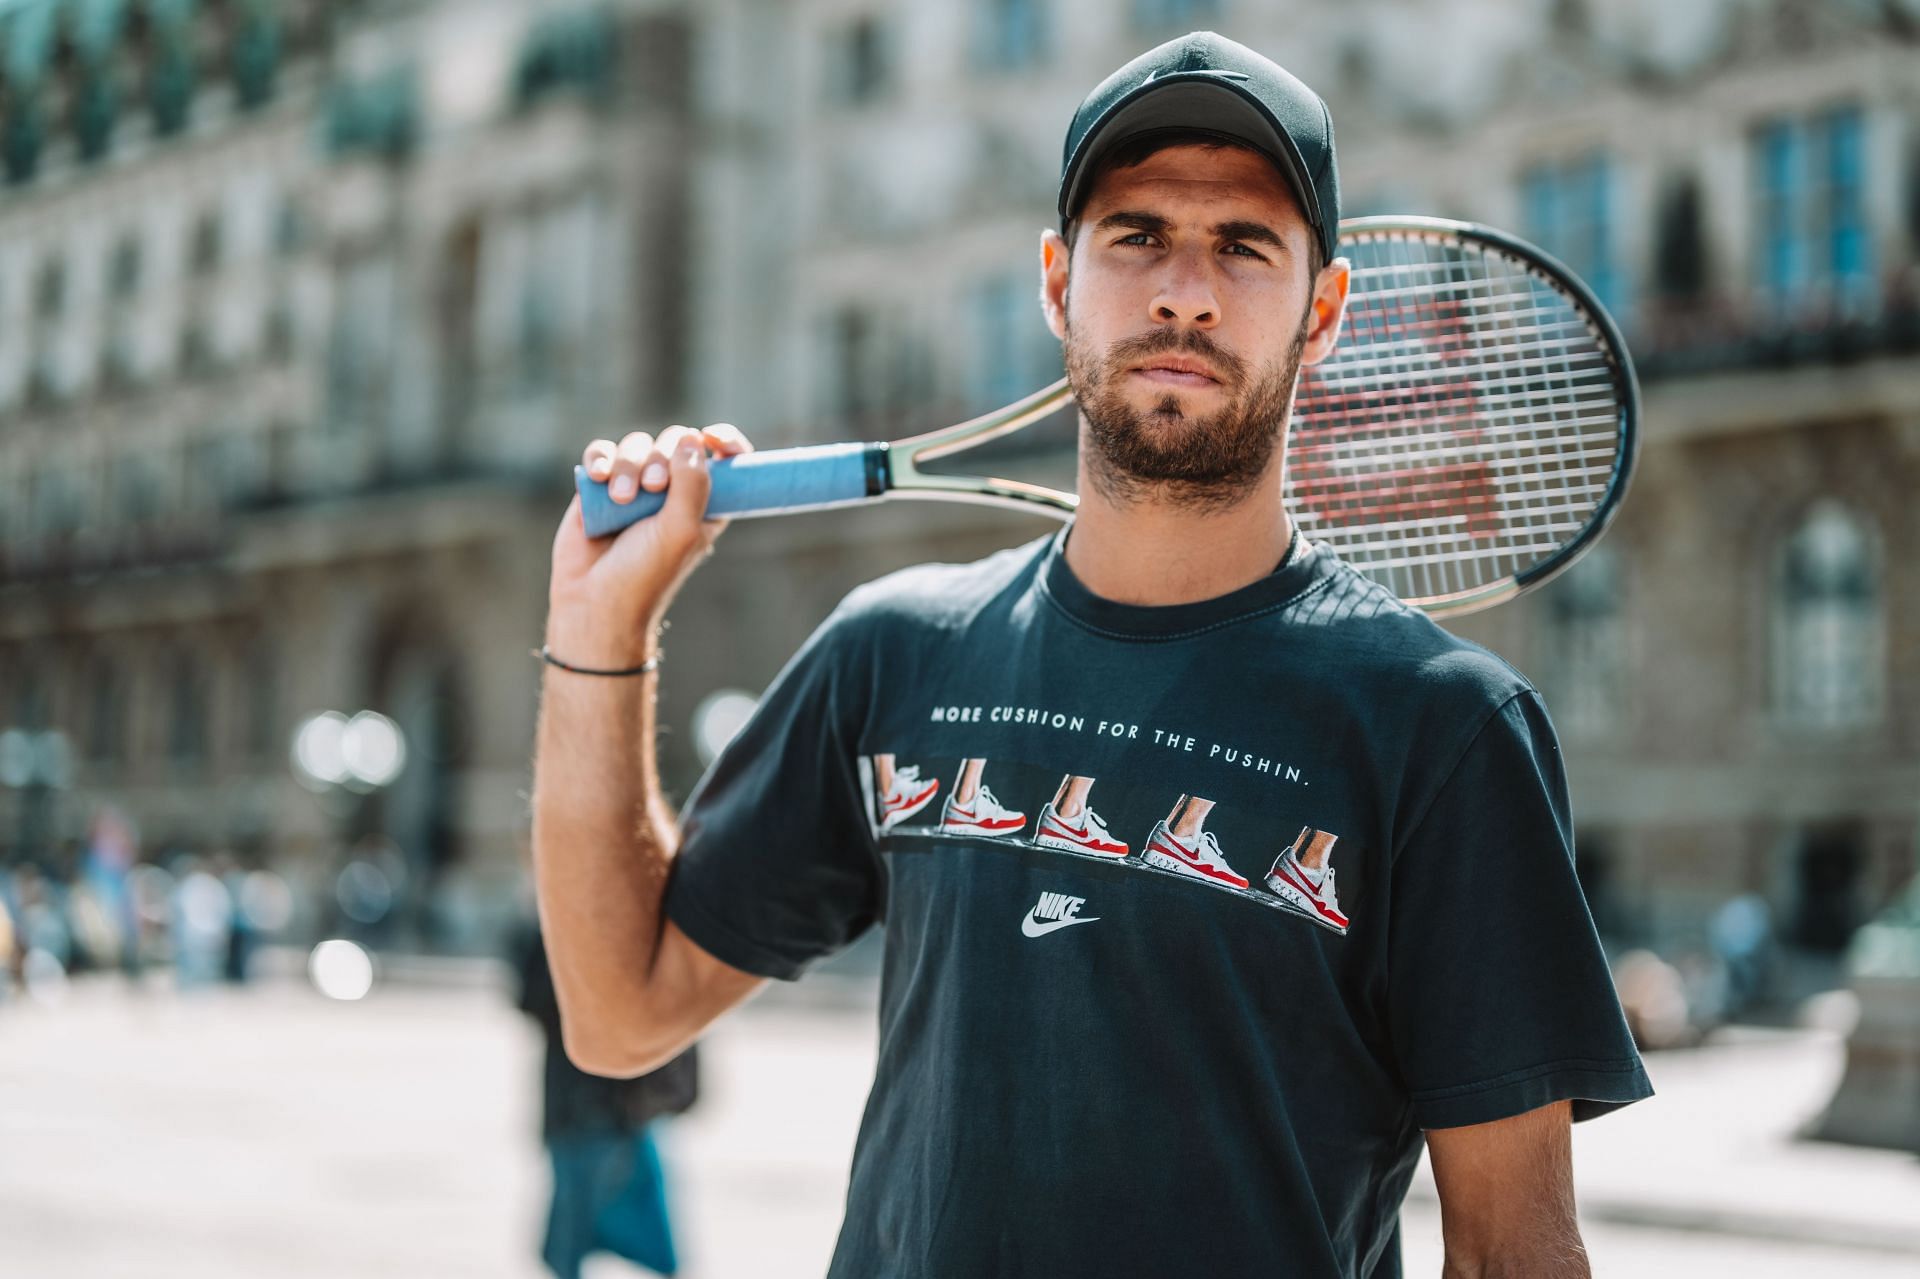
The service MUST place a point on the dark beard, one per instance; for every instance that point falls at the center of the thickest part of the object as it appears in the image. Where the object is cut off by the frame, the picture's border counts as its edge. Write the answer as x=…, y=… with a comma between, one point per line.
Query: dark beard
x=1202, y=463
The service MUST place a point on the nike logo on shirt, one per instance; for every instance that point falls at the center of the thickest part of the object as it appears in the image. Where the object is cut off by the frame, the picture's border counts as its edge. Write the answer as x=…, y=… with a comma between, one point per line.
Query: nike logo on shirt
x=1053, y=912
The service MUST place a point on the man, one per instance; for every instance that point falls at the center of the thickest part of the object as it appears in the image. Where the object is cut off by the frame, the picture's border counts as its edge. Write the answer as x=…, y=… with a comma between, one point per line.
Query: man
x=1119, y=1067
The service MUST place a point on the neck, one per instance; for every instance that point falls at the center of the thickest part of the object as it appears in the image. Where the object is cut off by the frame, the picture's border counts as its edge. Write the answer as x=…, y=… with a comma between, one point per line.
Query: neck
x=1143, y=548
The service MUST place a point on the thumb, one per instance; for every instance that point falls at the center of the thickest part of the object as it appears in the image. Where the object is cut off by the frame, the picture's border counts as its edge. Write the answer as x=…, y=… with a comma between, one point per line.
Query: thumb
x=688, y=489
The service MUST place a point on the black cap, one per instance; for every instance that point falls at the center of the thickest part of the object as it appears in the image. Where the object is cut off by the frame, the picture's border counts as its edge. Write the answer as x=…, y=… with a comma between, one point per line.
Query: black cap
x=1207, y=82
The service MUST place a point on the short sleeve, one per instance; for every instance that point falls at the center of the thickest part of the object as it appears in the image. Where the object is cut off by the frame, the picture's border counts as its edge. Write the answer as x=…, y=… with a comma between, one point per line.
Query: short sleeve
x=1498, y=990
x=777, y=866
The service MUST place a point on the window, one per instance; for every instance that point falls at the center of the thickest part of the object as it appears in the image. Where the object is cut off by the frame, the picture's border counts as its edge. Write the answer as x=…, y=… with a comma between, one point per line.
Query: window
x=1826, y=889
x=57, y=504
x=1680, y=245
x=859, y=62
x=105, y=730
x=1585, y=665
x=375, y=116
x=50, y=292
x=1828, y=632
x=568, y=51
x=123, y=279
x=1810, y=192
x=170, y=69
x=135, y=491
x=854, y=338
x=1596, y=864
x=1158, y=15
x=186, y=711
x=254, y=55
x=263, y=702
x=49, y=308
x=289, y=229
x=879, y=369
x=29, y=708
x=204, y=255
x=1009, y=35
x=279, y=341
x=122, y=365
x=1568, y=207
x=556, y=290
x=1010, y=352
x=32, y=33
x=357, y=353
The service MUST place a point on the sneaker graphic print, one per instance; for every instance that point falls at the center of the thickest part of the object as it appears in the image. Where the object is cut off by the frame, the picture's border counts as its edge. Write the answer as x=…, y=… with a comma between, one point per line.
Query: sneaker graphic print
x=907, y=796
x=1083, y=834
x=978, y=813
x=1070, y=825
x=1302, y=878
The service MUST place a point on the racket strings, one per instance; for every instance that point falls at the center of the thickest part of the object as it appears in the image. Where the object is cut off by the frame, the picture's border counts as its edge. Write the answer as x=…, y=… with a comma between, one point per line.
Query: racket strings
x=1465, y=429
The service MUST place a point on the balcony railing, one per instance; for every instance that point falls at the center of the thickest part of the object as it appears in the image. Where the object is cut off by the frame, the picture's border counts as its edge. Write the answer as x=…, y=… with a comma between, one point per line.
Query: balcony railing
x=1677, y=339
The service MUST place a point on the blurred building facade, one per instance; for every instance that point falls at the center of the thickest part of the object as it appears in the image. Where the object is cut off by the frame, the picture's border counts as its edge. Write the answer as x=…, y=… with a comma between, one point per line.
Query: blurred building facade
x=307, y=307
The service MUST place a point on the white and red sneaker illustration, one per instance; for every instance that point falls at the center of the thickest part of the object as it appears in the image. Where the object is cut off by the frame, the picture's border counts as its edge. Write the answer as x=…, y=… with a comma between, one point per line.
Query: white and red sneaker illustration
x=907, y=796
x=1311, y=891
x=1202, y=860
x=1083, y=834
x=981, y=815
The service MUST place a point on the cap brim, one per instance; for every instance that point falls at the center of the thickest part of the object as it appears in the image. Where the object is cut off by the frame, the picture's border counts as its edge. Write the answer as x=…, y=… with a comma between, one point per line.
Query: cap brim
x=1201, y=101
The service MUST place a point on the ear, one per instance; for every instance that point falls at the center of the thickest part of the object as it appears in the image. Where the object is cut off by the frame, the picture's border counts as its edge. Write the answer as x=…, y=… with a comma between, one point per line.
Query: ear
x=1053, y=282
x=1329, y=309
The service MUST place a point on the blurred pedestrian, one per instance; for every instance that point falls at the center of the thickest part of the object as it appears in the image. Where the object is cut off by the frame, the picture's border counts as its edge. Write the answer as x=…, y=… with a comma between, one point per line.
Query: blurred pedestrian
x=106, y=869
x=200, y=919
x=44, y=925
x=9, y=938
x=609, y=1189
x=241, y=939
x=1741, y=933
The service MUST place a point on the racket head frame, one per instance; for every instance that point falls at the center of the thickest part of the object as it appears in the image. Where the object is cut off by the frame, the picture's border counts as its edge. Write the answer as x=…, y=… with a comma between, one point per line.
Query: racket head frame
x=1612, y=345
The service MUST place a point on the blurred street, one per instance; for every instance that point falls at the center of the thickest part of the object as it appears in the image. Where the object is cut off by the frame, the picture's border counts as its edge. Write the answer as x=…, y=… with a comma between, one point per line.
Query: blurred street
x=267, y=1131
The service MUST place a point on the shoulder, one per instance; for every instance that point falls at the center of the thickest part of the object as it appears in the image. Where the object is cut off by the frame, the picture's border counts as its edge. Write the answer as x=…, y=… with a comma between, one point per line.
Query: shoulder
x=1394, y=648
x=938, y=597
x=895, y=615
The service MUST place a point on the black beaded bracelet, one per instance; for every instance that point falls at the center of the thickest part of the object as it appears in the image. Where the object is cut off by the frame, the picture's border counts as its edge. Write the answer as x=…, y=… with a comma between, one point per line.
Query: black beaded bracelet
x=652, y=663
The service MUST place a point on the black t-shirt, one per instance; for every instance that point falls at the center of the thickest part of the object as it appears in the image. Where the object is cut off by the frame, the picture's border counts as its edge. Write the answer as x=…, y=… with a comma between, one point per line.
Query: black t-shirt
x=1245, y=894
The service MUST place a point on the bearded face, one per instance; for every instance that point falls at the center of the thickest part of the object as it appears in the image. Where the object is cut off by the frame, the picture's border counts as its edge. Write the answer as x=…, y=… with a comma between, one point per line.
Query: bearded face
x=1197, y=460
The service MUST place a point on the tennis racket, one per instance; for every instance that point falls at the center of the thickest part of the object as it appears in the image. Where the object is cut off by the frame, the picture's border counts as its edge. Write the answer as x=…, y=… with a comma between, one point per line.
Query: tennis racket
x=1470, y=437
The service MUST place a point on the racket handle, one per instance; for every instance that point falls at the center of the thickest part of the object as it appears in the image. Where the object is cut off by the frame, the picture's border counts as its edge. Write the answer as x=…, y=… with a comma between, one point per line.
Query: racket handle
x=770, y=483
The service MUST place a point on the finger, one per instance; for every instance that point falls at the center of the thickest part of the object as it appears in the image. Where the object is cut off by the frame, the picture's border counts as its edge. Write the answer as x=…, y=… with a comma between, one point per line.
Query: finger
x=725, y=439
x=654, y=477
x=597, y=457
x=624, y=479
x=687, y=492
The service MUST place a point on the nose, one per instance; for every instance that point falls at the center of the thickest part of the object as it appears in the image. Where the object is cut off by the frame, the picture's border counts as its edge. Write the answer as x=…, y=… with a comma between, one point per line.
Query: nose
x=1185, y=295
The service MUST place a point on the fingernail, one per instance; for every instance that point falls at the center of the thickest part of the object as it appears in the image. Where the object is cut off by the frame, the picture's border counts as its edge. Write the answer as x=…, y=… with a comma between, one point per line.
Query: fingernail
x=623, y=487
x=656, y=473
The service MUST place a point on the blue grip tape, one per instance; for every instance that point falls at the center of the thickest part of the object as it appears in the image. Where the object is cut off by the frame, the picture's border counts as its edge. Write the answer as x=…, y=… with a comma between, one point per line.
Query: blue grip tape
x=769, y=483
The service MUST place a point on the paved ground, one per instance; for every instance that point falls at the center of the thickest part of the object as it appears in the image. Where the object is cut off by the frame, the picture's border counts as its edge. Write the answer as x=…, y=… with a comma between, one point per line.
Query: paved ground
x=270, y=1132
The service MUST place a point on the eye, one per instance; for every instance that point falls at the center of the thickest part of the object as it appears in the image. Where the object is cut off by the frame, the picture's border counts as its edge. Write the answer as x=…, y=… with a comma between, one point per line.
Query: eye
x=1236, y=246
x=1140, y=238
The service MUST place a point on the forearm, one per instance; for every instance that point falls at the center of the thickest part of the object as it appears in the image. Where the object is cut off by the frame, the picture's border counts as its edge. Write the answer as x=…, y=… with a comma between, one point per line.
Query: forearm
x=1506, y=1197
x=603, y=841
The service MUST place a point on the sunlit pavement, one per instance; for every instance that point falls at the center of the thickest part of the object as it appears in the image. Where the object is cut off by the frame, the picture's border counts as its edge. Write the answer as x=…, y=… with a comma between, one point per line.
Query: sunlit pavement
x=270, y=1132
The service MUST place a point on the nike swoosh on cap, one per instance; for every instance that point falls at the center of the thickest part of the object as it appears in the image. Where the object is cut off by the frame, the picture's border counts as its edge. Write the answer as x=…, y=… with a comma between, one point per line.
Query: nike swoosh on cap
x=1034, y=928
x=1212, y=71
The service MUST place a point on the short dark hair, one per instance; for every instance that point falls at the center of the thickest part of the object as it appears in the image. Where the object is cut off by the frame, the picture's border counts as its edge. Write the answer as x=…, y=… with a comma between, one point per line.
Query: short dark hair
x=1137, y=150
